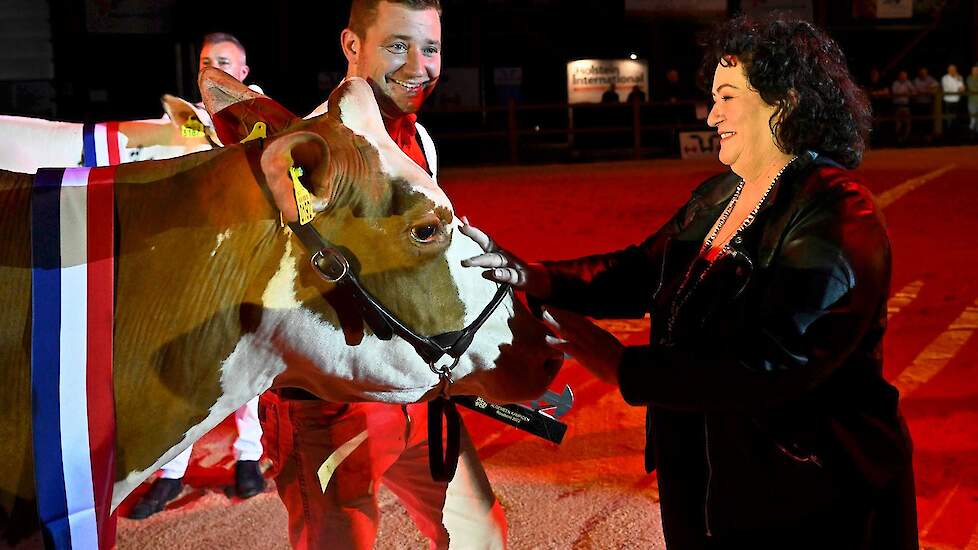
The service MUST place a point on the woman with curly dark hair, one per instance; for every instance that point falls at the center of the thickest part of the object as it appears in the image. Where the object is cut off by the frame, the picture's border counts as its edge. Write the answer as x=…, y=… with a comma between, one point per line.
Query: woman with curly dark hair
x=769, y=421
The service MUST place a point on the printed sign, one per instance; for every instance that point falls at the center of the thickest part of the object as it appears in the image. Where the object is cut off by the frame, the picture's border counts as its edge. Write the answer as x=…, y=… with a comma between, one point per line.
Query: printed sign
x=894, y=9
x=677, y=7
x=588, y=79
x=699, y=145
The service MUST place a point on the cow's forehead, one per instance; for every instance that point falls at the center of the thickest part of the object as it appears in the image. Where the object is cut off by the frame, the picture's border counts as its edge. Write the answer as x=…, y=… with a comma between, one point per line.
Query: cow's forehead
x=358, y=111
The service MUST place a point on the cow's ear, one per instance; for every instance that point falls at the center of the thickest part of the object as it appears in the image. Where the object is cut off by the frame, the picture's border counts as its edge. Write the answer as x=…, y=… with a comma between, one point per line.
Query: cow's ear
x=305, y=150
x=235, y=108
x=190, y=119
x=354, y=102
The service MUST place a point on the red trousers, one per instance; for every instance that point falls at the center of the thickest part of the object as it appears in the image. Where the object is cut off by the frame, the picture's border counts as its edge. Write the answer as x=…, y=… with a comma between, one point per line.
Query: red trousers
x=330, y=458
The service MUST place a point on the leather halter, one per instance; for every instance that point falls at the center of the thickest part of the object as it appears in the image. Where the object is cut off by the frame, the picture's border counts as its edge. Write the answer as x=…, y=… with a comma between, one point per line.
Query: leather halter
x=334, y=267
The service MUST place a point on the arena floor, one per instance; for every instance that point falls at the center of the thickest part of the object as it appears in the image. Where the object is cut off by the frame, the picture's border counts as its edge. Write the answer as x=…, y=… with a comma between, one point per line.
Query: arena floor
x=591, y=491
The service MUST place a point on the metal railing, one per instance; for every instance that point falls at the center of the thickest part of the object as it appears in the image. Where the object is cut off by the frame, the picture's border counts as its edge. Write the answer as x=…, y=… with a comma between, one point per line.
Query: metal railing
x=514, y=132
x=638, y=126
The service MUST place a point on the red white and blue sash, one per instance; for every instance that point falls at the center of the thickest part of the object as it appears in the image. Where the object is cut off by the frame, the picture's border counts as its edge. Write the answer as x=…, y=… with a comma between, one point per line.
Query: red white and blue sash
x=72, y=226
x=100, y=144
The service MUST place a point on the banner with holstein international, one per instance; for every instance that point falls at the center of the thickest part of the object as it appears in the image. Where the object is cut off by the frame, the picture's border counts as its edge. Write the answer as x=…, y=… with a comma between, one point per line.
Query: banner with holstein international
x=588, y=79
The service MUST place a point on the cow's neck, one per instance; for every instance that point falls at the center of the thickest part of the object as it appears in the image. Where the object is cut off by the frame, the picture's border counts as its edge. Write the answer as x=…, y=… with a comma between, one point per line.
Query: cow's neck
x=198, y=241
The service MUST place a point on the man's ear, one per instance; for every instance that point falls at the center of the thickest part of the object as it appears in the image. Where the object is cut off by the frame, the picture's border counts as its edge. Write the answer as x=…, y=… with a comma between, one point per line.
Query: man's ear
x=351, y=45
x=245, y=71
x=306, y=150
x=235, y=108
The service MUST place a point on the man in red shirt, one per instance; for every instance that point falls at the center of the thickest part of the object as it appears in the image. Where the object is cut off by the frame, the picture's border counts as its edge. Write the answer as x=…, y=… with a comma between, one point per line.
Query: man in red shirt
x=331, y=456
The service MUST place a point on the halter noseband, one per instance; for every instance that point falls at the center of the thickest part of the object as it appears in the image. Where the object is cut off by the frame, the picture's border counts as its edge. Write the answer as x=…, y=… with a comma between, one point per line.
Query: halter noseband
x=334, y=267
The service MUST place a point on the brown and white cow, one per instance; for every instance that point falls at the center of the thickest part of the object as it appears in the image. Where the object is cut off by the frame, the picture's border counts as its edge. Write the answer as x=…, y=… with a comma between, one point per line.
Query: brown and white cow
x=216, y=301
x=27, y=144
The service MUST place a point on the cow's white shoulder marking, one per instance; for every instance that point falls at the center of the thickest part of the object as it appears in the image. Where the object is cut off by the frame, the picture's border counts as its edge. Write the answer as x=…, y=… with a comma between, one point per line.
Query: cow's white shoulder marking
x=247, y=372
x=280, y=291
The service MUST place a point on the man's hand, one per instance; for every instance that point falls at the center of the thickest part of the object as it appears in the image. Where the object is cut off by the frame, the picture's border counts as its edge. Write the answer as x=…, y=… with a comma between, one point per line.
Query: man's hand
x=595, y=348
x=503, y=266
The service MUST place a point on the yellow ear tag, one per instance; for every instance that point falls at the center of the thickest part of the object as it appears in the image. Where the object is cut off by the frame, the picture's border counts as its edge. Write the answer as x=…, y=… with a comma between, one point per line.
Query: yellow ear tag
x=303, y=199
x=193, y=128
x=258, y=131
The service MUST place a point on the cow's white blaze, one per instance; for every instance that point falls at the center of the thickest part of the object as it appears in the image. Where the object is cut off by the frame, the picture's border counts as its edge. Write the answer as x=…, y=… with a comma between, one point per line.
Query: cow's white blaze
x=475, y=292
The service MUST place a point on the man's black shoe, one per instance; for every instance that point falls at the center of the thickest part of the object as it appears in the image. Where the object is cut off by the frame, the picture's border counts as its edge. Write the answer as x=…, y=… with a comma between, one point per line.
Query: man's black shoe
x=248, y=480
x=162, y=491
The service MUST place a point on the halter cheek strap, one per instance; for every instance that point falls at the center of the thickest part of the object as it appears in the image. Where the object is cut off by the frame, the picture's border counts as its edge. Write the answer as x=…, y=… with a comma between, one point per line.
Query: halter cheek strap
x=334, y=267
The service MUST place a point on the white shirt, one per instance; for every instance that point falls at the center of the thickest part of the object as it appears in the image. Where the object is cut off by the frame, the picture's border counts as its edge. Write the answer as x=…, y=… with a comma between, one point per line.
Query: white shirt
x=952, y=84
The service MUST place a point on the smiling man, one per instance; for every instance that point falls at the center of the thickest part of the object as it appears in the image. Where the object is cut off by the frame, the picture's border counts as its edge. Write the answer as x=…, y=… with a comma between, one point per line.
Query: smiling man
x=332, y=456
x=396, y=46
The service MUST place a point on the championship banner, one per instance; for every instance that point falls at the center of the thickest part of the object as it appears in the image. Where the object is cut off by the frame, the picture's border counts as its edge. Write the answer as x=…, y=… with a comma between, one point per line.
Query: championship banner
x=73, y=409
x=100, y=144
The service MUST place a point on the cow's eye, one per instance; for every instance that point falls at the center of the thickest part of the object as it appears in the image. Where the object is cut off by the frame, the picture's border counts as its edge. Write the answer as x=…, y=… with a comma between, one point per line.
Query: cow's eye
x=424, y=233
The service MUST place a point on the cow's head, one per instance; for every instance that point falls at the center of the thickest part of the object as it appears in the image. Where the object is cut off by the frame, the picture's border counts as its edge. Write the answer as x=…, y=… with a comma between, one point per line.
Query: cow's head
x=399, y=231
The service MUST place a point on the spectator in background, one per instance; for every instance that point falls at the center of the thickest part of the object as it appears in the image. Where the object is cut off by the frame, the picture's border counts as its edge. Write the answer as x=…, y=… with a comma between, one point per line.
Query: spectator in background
x=672, y=89
x=953, y=84
x=636, y=94
x=972, y=83
x=875, y=87
x=922, y=104
x=903, y=89
x=879, y=96
x=610, y=95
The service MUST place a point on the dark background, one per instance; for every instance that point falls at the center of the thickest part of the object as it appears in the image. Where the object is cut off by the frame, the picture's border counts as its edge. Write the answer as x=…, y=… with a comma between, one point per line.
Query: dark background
x=97, y=72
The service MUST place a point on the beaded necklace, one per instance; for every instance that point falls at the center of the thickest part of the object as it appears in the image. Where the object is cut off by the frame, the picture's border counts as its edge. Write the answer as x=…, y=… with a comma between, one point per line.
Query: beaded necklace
x=682, y=294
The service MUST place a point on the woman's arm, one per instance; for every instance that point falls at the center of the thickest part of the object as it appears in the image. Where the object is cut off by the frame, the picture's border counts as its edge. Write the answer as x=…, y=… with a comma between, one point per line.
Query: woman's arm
x=826, y=290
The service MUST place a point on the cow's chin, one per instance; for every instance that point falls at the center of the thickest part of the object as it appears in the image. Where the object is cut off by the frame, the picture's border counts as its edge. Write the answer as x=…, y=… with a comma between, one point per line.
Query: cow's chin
x=508, y=359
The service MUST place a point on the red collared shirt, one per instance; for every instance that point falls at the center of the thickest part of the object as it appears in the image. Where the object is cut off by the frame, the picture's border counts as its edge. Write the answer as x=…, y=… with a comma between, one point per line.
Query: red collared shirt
x=402, y=130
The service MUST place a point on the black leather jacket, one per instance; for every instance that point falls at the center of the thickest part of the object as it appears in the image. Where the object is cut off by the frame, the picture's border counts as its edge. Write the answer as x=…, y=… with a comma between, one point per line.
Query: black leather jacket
x=767, y=409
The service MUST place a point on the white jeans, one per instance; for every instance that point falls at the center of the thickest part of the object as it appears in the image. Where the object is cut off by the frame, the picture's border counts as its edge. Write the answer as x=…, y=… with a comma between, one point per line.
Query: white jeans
x=247, y=446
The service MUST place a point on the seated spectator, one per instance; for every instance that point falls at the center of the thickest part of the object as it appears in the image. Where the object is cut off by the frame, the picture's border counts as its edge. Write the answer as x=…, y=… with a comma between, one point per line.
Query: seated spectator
x=610, y=95
x=636, y=94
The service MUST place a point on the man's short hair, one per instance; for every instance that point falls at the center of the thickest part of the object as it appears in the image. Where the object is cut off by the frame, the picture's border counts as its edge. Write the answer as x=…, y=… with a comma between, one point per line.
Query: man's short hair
x=218, y=37
x=363, y=13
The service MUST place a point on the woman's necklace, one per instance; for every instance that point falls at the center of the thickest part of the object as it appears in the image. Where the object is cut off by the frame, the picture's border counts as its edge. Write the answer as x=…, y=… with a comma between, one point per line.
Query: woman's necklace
x=682, y=294
x=708, y=243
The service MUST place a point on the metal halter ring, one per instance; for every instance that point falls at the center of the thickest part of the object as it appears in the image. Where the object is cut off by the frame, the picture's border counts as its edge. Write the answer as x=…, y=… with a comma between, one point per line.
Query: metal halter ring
x=444, y=372
x=330, y=264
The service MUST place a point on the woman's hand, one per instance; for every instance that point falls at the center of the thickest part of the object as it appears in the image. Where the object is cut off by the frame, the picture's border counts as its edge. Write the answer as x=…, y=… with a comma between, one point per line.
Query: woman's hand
x=595, y=348
x=503, y=266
